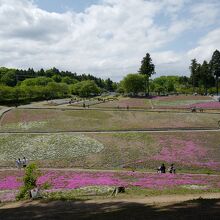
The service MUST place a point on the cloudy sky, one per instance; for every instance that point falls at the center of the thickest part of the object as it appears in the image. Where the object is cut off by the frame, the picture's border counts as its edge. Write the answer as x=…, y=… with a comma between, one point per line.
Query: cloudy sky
x=108, y=38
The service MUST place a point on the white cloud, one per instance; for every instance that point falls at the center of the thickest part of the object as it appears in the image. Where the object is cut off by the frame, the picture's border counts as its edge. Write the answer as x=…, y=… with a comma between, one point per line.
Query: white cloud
x=108, y=40
x=206, y=46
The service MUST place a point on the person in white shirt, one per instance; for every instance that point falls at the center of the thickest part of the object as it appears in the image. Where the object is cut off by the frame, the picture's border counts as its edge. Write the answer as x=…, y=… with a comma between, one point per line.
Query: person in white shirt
x=24, y=162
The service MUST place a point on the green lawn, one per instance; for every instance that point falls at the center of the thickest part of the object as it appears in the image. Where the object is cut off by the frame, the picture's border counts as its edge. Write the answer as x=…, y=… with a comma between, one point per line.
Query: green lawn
x=81, y=120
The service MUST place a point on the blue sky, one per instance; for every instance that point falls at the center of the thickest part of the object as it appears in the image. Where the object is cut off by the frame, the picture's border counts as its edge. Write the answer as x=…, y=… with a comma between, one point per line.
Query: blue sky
x=108, y=38
x=61, y=6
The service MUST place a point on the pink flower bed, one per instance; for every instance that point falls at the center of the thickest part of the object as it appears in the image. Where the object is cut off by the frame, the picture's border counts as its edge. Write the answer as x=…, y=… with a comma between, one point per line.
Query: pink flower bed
x=59, y=180
x=10, y=182
x=180, y=151
x=185, y=152
x=208, y=105
x=79, y=179
x=73, y=180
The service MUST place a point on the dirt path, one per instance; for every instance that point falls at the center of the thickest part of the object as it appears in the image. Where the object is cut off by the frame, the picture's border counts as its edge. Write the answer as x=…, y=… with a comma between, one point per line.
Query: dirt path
x=3, y=111
x=200, y=206
x=152, y=130
x=104, y=170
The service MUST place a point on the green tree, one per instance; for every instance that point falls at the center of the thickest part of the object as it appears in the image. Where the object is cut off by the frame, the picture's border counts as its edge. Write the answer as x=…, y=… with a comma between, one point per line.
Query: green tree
x=56, y=78
x=57, y=90
x=207, y=79
x=9, y=78
x=215, y=67
x=147, y=69
x=69, y=80
x=133, y=83
x=39, y=81
x=85, y=88
x=109, y=85
x=6, y=93
x=194, y=69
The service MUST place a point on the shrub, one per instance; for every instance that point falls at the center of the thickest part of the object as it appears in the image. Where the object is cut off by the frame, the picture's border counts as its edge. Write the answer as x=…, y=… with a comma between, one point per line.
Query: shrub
x=29, y=179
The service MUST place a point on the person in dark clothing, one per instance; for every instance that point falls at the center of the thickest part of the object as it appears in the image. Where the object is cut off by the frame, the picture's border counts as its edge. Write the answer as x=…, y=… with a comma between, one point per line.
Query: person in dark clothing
x=163, y=168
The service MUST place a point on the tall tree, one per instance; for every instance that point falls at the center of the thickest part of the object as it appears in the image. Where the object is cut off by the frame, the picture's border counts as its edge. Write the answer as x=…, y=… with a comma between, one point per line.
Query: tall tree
x=194, y=69
x=206, y=76
x=147, y=69
x=215, y=66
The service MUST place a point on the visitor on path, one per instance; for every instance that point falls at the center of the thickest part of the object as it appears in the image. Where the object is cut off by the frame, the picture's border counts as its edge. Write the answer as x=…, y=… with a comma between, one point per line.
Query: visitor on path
x=163, y=168
x=24, y=162
x=18, y=163
x=172, y=169
x=158, y=170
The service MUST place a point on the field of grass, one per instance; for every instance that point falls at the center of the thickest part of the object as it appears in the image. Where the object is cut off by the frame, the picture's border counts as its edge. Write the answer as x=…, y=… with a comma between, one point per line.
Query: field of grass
x=181, y=101
x=91, y=120
x=132, y=103
x=192, y=152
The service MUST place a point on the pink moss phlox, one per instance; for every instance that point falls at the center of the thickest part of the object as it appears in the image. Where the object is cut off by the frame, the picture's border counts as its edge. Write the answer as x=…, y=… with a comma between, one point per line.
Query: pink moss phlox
x=209, y=164
x=10, y=182
x=180, y=151
x=211, y=105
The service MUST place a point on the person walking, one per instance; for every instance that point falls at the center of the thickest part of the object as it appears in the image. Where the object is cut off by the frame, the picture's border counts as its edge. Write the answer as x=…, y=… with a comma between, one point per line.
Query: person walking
x=172, y=169
x=24, y=162
x=18, y=163
x=163, y=168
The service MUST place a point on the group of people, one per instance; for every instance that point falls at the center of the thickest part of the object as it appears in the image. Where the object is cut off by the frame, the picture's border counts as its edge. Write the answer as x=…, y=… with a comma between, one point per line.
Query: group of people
x=162, y=169
x=21, y=163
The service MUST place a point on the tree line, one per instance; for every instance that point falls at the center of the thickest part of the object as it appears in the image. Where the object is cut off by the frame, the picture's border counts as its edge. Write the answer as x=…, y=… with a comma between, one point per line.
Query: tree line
x=203, y=79
x=20, y=86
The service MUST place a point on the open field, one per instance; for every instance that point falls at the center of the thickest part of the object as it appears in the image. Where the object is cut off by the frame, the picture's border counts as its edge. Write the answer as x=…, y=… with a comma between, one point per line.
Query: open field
x=92, y=120
x=190, y=151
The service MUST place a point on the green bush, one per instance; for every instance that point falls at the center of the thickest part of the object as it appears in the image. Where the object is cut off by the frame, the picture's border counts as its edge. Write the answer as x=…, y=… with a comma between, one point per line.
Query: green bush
x=29, y=179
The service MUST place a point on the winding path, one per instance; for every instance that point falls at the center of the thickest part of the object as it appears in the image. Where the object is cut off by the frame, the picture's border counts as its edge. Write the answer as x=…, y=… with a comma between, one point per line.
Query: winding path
x=3, y=111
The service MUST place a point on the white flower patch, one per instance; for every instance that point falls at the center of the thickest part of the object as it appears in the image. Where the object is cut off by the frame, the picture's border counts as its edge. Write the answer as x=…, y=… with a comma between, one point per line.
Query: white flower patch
x=26, y=125
x=194, y=187
x=51, y=146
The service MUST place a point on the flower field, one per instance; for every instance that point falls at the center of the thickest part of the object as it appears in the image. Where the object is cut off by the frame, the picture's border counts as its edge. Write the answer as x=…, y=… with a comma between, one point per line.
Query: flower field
x=72, y=180
x=185, y=102
x=136, y=103
x=190, y=151
x=207, y=105
x=47, y=147
x=92, y=120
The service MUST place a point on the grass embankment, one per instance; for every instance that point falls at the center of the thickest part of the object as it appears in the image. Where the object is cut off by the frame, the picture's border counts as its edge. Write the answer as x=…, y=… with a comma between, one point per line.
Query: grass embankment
x=191, y=152
x=131, y=103
x=91, y=120
x=181, y=101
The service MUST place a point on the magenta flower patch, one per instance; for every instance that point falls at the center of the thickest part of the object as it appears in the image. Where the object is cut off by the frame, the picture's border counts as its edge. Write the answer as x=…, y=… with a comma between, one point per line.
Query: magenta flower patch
x=10, y=182
x=207, y=105
x=180, y=151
